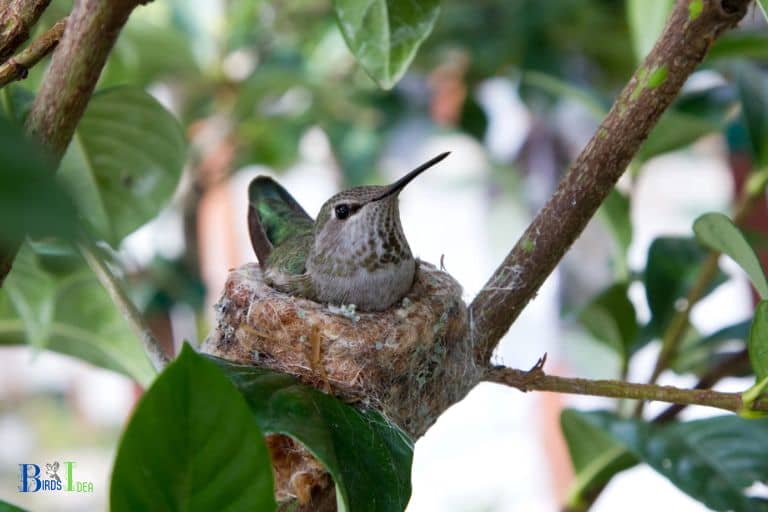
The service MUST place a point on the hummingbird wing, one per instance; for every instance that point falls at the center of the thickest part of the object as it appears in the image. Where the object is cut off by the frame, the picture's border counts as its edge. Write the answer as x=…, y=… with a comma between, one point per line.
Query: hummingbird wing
x=274, y=217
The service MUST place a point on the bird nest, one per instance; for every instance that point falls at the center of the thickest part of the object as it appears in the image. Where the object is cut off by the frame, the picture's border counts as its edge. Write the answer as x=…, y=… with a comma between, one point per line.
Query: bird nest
x=398, y=361
x=409, y=362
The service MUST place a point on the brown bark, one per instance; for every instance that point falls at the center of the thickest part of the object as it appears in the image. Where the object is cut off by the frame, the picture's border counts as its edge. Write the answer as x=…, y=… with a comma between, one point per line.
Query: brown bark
x=17, y=18
x=91, y=32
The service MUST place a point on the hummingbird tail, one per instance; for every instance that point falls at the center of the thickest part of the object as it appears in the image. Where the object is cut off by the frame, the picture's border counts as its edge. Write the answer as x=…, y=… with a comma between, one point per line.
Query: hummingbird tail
x=273, y=216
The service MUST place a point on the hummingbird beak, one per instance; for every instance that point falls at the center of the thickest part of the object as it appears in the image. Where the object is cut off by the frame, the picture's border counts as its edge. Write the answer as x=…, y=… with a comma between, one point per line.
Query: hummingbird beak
x=400, y=184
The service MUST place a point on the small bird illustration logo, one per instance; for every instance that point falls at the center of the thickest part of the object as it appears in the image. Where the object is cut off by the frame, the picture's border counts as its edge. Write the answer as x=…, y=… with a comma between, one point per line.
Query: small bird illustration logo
x=51, y=470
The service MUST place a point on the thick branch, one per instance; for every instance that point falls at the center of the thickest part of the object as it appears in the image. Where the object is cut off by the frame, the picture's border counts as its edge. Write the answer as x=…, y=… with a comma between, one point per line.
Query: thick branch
x=17, y=67
x=91, y=31
x=17, y=17
x=537, y=380
x=682, y=46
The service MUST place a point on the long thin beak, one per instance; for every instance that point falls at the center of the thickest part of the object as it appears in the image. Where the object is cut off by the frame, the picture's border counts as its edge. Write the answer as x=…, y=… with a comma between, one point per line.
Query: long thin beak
x=402, y=182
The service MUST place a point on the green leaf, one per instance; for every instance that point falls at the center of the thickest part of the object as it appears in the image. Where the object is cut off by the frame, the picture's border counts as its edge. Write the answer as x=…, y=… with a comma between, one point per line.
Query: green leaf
x=646, y=21
x=758, y=341
x=674, y=131
x=7, y=507
x=671, y=268
x=32, y=293
x=124, y=161
x=595, y=455
x=692, y=116
x=68, y=313
x=31, y=202
x=752, y=87
x=192, y=444
x=368, y=457
x=763, y=7
x=16, y=102
x=595, y=105
x=616, y=214
x=741, y=43
x=698, y=355
x=610, y=318
x=714, y=460
x=718, y=232
x=384, y=35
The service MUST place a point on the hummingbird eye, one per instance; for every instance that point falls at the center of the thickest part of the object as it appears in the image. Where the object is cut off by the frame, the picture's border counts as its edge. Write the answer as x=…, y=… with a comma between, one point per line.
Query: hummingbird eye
x=342, y=211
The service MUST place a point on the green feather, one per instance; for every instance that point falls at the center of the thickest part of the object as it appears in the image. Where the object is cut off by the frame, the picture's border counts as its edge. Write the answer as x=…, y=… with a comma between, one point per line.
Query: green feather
x=275, y=214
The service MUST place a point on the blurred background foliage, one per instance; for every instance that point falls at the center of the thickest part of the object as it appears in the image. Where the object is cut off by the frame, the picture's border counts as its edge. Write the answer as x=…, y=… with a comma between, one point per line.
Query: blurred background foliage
x=246, y=80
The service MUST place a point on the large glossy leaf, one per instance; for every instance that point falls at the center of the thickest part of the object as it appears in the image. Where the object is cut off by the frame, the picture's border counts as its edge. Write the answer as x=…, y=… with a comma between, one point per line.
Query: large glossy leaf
x=368, y=457
x=715, y=460
x=124, y=161
x=671, y=269
x=758, y=341
x=192, y=445
x=595, y=456
x=384, y=35
x=610, y=318
x=646, y=21
x=69, y=313
x=718, y=232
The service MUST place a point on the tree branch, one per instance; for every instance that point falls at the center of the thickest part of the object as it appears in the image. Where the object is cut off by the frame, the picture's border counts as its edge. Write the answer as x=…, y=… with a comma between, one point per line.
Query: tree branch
x=17, y=67
x=132, y=315
x=735, y=362
x=92, y=28
x=682, y=46
x=17, y=17
x=90, y=33
x=536, y=380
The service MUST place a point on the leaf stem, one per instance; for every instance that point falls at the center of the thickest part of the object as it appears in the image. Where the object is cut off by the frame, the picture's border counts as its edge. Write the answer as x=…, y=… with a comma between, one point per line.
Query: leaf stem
x=110, y=282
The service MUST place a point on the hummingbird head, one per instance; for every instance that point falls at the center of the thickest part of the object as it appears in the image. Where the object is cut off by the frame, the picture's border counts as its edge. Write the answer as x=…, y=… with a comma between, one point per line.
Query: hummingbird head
x=360, y=227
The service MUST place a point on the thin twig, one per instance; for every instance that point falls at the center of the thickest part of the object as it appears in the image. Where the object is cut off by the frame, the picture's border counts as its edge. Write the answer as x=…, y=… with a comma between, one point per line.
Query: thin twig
x=115, y=289
x=17, y=67
x=727, y=367
x=681, y=47
x=537, y=380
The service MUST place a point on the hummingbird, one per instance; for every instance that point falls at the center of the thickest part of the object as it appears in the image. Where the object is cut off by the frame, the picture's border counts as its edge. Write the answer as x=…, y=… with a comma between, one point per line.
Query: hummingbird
x=355, y=252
